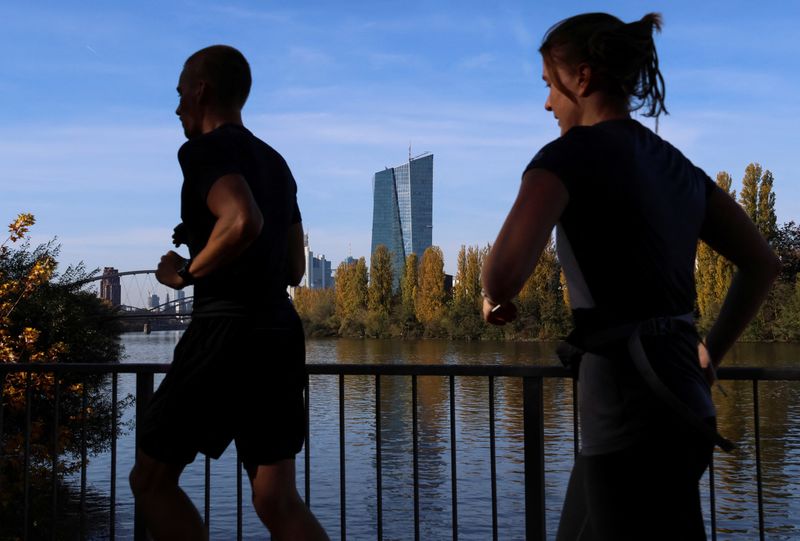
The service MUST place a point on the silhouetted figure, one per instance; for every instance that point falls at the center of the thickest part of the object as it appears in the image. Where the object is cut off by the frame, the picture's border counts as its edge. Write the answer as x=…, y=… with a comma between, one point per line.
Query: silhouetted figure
x=628, y=209
x=239, y=370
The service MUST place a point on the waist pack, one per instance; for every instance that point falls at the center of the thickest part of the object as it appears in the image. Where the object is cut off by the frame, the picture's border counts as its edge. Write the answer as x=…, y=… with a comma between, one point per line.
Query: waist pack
x=578, y=342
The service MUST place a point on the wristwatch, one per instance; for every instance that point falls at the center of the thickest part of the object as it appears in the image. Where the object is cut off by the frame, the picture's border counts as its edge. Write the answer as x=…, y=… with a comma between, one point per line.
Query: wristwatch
x=184, y=273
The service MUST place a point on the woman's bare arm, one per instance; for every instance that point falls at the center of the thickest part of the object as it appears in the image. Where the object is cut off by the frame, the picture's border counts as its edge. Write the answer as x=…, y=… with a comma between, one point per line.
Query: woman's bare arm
x=730, y=232
x=541, y=199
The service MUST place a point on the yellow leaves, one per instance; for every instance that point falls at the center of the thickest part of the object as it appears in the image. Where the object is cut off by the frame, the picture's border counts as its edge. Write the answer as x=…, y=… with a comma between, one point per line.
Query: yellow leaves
x=40, y=273
x=467, y=284
x=8, y=348
x=19, y=227
x=409, y=284
x=381, y=281
x=8, y=286
x=429, y=302
x=23, y=347
x=29, y=336
x=350, y=289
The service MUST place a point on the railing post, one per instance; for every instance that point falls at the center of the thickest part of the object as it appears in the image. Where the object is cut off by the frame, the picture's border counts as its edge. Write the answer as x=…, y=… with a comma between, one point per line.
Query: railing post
x=757, y=435
x=27, y=456
x=533, y=422
x=84, y=459
x=144, y=390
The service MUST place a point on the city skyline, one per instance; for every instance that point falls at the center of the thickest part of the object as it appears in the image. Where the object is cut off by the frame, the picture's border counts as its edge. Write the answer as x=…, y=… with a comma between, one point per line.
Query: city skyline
x=89, y=138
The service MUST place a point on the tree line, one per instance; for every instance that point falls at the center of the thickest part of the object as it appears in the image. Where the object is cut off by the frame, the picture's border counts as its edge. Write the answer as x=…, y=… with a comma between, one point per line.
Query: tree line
x=364, y=303
x=779, y=317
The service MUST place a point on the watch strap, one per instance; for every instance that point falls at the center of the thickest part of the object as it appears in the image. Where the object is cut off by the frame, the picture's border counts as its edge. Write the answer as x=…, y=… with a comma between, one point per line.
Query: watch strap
x=184, y=273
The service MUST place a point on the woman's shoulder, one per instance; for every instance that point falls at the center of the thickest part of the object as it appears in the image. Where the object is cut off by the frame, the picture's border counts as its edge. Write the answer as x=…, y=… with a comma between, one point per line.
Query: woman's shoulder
x=575, y=149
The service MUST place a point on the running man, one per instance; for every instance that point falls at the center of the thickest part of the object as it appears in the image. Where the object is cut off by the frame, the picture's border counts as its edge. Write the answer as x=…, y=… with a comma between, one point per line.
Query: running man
x=238, y=371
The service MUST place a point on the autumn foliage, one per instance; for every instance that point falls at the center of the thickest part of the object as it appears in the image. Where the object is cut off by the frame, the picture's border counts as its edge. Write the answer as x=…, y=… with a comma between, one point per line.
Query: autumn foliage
x=364, y=302
x=43, y=322
x=779, y=317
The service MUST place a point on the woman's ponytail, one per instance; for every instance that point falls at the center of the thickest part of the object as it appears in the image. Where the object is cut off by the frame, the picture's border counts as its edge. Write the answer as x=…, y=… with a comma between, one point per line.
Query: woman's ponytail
x=622, y=55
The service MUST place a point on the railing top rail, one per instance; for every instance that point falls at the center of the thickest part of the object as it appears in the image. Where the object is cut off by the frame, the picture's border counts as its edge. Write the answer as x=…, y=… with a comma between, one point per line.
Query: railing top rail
x=730, y=373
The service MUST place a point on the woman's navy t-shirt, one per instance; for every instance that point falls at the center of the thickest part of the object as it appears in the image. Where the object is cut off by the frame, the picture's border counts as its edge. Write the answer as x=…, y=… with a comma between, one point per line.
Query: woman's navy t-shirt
x=627, y=242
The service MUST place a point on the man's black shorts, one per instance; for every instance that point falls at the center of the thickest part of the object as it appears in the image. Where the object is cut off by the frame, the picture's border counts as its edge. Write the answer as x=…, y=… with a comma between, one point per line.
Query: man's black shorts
x=231, y=378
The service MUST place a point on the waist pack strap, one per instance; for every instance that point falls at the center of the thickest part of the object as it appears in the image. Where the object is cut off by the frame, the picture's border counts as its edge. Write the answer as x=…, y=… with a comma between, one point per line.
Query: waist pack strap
x=680, y=408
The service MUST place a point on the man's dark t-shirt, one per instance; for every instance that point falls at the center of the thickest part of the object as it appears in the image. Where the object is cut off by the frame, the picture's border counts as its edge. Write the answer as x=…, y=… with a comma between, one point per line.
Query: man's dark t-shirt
x=255, y=282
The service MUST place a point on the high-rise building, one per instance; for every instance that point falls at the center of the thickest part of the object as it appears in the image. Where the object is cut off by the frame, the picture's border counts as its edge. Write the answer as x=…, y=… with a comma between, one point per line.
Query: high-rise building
x=181, y=307
x=318, y=269
x=110, y=289
x=402, y=210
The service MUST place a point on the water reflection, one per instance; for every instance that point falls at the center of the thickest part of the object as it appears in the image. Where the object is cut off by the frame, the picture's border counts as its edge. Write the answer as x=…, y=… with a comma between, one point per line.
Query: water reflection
x=735, y=473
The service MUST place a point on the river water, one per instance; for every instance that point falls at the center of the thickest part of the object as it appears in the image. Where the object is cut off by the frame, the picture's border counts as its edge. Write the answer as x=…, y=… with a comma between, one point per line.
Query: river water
x=736, y=496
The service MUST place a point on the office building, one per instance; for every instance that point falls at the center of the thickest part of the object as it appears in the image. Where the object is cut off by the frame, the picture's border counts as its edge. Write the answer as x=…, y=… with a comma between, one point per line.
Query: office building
x=182, y=305
x=110, y=289
x=402, y=211
x=318, y=269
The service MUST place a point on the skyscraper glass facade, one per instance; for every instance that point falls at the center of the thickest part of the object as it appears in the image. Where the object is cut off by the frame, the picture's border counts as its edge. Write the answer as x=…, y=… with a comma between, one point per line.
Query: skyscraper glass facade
x=402, y=212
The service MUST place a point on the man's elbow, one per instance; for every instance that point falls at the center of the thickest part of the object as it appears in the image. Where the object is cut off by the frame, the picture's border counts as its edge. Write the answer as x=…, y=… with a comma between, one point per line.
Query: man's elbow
x=249, y=226
x=297, y=269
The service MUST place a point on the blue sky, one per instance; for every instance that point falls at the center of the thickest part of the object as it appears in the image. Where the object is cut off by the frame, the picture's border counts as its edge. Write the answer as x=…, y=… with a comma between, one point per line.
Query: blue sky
x=88, y=138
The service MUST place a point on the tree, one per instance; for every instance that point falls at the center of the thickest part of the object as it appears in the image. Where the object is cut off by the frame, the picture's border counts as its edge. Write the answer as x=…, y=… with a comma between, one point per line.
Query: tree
x=543, y=312
x=749, y=194
x=787, y=245
x=381, y=279
x=758, y=200
x=317, y=309
x=459, y=287
x=430, y=301
x=786, y=292
x=713, y=273
x=472, y=274
x=766, y=219
x=350, y=296
x=465, y=312
x=467, y=287
x=408, y=287
x=360, y=283
x=49, y=319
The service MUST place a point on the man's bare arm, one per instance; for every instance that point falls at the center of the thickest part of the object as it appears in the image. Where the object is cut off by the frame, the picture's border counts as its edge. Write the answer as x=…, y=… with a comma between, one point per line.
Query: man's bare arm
x=296, y=261
x=239, y=222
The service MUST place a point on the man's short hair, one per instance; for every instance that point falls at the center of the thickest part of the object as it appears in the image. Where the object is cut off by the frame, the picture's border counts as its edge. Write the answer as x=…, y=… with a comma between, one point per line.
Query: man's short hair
x=225, y=70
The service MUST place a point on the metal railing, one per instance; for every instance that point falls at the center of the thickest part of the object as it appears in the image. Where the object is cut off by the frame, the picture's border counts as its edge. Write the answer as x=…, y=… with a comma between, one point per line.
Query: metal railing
x=533, y=427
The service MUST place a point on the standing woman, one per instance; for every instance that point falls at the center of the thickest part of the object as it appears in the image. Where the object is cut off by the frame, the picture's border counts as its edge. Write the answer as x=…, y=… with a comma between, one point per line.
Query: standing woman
x=628, y=209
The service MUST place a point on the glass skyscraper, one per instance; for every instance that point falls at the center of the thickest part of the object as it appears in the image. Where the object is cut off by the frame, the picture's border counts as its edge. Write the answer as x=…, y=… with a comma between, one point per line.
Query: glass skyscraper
x=402, y=210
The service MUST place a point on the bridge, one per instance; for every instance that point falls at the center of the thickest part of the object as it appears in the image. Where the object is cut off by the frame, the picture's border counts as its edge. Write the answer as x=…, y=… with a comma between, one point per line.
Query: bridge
x=135, y=294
